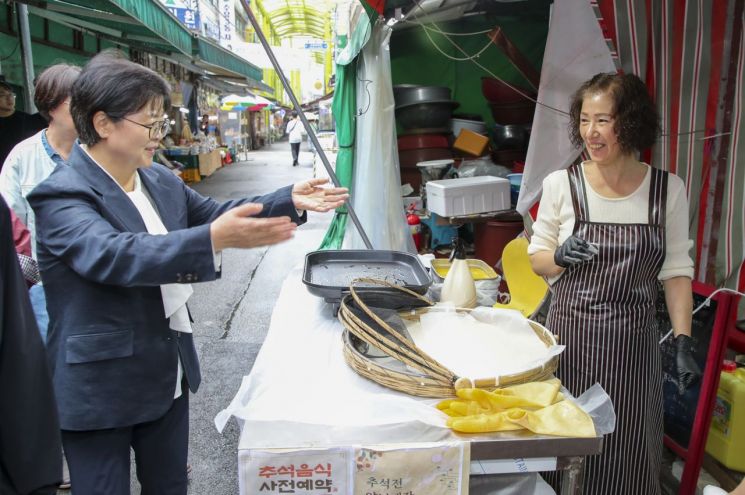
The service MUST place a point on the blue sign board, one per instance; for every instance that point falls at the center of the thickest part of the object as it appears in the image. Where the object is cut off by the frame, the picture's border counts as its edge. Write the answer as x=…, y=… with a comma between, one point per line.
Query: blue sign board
x=316, y=45
x=188, y=17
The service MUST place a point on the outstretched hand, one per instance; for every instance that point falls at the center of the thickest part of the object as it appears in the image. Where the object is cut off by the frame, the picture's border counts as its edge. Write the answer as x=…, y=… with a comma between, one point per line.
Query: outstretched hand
x=239, y=229
x=309, y=195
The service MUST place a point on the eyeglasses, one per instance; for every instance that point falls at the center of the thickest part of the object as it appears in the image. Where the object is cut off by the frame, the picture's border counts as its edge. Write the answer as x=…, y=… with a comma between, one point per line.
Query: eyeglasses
x=157, y=129
x=8, y=95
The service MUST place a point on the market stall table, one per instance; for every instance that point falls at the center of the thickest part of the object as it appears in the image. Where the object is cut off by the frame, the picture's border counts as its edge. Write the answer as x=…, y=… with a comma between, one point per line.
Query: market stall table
x=301, y=394
x=196, y=166
x=209, y=162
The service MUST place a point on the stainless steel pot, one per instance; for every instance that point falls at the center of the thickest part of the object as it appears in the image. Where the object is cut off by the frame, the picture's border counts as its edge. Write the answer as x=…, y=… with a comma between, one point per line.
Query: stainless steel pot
x=510, y=137
x=420, y=94
x=428, y=114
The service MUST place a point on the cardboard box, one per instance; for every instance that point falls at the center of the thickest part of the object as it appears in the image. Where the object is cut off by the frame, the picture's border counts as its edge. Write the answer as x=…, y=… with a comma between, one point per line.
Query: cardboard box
x=468, y=196
x=471, y=143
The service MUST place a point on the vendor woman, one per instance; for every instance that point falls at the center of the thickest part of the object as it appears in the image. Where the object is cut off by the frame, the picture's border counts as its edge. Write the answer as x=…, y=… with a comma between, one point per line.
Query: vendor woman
x=607, y=231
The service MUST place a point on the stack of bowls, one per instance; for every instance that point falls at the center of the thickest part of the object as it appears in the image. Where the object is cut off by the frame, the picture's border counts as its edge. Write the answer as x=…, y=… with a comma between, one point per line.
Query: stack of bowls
x=472, y=123
x=513, y=114
x=416, y=148
x=423, y=107
x=507, y=105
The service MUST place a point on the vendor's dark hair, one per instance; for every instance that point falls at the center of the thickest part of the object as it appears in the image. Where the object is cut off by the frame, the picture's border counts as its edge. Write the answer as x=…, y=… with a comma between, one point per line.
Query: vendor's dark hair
x=636, y=120
x=116, y=86
x=7, y=86
x=53, y=86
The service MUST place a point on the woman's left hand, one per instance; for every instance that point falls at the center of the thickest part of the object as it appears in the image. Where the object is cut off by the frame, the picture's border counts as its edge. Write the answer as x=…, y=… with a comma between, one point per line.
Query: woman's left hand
x=309, y=195
x=688, y=370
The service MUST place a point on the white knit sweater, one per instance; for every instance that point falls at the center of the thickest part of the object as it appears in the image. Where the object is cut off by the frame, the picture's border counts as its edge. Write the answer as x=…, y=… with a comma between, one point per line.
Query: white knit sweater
x=555, y=220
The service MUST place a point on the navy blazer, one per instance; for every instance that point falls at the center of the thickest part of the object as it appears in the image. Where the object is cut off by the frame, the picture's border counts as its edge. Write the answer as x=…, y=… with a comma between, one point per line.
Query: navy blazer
x=111, y=351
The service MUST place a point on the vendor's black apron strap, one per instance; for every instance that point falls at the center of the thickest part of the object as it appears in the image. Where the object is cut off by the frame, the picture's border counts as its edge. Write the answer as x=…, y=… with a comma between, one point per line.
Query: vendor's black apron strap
x=658, y=197
x=579, y=194
x=603, y=311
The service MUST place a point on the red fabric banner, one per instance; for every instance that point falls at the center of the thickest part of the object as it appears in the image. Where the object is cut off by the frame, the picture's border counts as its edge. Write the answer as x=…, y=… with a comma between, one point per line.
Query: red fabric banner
x=378, y=5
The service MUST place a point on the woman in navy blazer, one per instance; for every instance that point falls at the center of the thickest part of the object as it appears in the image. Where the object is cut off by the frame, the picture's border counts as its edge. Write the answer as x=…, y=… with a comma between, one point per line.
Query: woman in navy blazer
x=114, y=354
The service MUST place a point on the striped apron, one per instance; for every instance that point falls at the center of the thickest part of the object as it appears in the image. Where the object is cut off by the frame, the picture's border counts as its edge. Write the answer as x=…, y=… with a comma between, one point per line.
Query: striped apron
x=603, y=310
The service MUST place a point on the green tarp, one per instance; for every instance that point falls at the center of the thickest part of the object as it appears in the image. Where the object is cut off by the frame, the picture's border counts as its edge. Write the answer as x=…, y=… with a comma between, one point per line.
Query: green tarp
x=416, y=60
x=343, y=108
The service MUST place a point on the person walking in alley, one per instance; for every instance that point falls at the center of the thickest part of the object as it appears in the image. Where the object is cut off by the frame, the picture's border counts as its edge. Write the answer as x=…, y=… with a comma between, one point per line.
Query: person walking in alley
x=295, y=132
x=119, y=241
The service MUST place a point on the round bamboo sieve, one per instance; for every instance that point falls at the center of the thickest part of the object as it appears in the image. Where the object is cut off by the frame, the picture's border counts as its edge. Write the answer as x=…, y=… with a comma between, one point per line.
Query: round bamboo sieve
x=426, y=377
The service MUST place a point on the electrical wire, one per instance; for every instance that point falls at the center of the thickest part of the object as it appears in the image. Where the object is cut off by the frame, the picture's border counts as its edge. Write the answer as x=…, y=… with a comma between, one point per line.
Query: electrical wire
x=6, y=57
x=454, y=34
x=468, y=57
x=367, y=82
x=703, y=304
x=446, y=55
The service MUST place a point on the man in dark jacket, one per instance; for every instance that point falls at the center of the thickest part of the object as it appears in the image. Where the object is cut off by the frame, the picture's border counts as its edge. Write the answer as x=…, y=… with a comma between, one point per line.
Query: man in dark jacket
x=30, y=442
x=15, y=126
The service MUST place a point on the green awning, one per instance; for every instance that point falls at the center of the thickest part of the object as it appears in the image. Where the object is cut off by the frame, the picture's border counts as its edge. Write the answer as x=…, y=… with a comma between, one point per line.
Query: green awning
x=138, y=23
x=217, y=59
x=149, y=26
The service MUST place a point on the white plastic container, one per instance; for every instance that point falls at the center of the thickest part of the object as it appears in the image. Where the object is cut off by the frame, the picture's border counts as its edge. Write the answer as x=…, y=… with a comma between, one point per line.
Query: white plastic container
x=476, y=126
x=468, y=196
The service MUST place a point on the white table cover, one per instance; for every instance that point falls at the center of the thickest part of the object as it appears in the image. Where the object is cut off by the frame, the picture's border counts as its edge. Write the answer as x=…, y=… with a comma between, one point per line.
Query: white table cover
x=301, y=392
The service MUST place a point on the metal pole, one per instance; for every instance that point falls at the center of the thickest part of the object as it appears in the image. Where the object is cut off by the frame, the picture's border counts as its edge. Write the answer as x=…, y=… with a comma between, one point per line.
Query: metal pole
x=301, y=114
x=27, y=56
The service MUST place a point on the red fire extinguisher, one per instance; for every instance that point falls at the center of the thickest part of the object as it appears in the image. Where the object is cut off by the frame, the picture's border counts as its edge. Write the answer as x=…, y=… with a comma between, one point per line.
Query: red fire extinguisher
x=415, y=226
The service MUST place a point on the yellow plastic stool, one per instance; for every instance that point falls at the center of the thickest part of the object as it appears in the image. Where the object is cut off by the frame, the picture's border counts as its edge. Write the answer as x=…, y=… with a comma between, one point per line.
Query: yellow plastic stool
x=527, y=290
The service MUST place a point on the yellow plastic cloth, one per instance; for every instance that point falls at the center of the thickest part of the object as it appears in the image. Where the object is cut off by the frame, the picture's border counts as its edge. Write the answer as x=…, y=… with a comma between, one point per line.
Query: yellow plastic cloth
x=536, y=406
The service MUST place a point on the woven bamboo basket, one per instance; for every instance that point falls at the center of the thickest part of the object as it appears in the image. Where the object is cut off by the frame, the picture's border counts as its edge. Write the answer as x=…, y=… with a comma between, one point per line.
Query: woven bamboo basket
x=413, y=371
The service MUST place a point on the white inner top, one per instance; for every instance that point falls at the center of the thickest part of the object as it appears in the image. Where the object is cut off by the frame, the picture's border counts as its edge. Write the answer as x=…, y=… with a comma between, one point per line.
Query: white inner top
x=555, y=221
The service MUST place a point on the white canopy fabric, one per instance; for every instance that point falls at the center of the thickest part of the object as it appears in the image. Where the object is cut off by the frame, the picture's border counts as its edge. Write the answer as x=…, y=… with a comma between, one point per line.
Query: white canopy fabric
x=251, y=99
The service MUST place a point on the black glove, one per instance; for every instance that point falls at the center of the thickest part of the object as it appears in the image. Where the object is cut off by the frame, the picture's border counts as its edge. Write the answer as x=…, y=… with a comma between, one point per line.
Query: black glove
x=574, y=250
x=688, y=370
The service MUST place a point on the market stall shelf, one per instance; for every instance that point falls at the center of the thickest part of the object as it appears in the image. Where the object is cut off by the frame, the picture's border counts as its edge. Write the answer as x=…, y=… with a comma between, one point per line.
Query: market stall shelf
x=196, y=166
x=209, y=162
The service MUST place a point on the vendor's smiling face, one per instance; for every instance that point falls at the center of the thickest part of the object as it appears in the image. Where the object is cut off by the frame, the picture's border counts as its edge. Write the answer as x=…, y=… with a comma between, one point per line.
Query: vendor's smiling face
x=596, y=126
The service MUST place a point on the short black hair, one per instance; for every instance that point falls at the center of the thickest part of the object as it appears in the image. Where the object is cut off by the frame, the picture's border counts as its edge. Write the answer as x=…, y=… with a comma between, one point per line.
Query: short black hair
x=53, y=86
x=636, y=120
x=7, y=86
x=294, y=114
x=116, y=86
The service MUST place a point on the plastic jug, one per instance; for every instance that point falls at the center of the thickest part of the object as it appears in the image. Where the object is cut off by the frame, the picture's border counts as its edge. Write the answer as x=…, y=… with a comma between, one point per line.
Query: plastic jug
x=459, y=287
x=726, y=440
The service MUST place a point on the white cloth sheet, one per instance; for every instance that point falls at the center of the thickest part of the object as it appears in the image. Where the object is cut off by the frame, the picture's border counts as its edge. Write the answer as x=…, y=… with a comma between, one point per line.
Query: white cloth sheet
x=302, y=393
